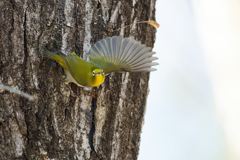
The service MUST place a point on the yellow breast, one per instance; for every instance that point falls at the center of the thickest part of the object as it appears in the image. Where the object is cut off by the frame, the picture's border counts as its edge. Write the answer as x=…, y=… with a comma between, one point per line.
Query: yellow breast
x=98, y=79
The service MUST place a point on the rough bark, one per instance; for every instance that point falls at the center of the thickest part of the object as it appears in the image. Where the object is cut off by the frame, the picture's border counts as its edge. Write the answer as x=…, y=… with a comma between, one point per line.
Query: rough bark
x=69, y=122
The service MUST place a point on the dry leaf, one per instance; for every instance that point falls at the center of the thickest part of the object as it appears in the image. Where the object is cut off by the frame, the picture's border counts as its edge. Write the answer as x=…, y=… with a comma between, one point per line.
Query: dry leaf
x=153, y=23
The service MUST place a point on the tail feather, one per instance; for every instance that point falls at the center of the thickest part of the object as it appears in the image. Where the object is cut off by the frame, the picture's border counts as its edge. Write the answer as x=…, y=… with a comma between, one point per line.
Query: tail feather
x=54, y=56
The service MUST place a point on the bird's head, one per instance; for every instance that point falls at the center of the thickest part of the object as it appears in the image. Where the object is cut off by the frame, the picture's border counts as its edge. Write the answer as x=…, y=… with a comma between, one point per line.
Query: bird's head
x=98, y=76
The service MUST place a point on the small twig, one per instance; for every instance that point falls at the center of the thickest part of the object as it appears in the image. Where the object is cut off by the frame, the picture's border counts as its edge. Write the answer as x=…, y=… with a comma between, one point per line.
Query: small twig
x=152, y=23
x=127, y=26
x=13, y=90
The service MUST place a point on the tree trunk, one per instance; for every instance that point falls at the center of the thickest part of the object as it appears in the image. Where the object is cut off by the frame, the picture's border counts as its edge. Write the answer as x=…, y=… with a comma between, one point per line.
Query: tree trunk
x=66, y=121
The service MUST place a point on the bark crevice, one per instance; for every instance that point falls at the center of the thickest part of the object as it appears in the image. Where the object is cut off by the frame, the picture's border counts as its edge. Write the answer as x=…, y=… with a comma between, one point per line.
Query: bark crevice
x=25, y=49
x=92, y=128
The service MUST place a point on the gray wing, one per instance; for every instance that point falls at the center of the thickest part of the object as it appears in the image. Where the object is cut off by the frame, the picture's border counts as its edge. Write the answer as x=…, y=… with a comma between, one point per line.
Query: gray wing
x=117, y=54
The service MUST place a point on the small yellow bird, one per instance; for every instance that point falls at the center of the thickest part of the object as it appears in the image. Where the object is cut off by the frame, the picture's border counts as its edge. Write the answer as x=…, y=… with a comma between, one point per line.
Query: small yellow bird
x=113, y=54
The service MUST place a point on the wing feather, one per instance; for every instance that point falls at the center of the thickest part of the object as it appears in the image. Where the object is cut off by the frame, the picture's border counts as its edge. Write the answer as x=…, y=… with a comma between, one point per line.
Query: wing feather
x=117, y=54
x=103, y=45
x=114, y=48
x=109, y=47
x=119, y=48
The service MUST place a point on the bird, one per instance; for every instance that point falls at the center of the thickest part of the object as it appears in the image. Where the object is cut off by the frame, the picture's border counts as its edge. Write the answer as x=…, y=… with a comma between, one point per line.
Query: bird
x=111, y=54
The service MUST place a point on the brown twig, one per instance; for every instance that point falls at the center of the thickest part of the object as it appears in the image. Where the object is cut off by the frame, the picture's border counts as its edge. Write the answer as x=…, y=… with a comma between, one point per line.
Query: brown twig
x=152, y=23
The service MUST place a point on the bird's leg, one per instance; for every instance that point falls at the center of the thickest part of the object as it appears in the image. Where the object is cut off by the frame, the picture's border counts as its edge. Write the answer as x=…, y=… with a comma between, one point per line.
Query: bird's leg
x=66, y=81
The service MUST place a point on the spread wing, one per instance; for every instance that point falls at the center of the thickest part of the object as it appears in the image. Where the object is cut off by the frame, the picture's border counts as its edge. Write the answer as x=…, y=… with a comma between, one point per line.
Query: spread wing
x=118, y=54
